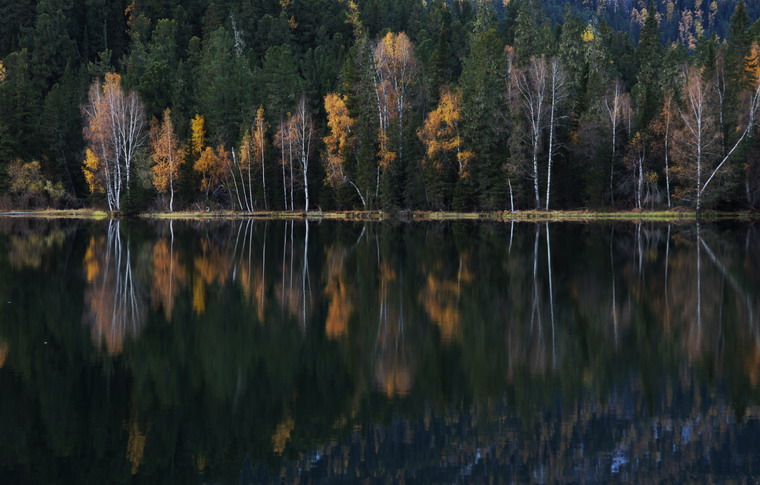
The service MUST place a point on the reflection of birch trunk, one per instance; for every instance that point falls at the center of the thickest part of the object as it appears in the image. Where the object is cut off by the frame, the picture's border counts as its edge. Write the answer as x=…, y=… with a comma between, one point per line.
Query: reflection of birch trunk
x=667, y=263
x=732, y=281
x=115, y=304
x=263, y=267
x=535, y=318
x=614, y=289
x=305, y=272
x=551, y=293
x=699, y=285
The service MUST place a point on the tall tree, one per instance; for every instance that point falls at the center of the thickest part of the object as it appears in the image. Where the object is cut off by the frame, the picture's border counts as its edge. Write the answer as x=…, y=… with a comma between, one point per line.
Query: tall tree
x=395, y=75
x=482, y=88
x=302, y=129
x=339, y=143
x=114, y=131
x=443, y=148
x=647, y=93
x=168, y=154
x=617, y=104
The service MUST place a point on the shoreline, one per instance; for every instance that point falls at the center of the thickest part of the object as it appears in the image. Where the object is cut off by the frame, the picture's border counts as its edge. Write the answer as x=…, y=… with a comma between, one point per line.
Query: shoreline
x=404, y=216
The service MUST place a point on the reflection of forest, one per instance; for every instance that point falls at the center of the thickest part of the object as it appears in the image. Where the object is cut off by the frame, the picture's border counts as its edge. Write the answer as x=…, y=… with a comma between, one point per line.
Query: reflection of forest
x=470, y=348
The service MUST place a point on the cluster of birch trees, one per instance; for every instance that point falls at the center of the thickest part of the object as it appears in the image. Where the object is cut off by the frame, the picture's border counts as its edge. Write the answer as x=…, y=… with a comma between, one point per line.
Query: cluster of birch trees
x=541, y=122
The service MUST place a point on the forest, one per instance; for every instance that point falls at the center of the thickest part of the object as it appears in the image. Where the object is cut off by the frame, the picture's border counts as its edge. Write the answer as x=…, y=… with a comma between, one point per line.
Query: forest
x=437, y=105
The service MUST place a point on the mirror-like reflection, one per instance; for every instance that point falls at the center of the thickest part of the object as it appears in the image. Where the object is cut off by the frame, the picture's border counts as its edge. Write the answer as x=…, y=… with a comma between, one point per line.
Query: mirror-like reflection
x=254, y=351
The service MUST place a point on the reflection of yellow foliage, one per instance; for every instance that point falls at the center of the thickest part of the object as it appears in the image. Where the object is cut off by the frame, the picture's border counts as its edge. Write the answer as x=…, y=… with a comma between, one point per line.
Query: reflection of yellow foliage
x=212, y=264
x=395, y=379
x=4, y=350
x=252, y=284
x=200, y=463
x=199, y=295
x=282, y=435
x=440, y=300
x=91, y=264
x=27, y=251
x=751, y=363
x=135, y=446
x=338, y=293
x=168, y=277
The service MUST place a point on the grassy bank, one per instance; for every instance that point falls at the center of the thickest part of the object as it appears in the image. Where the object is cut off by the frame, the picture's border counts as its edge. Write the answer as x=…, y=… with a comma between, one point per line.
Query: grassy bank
x=503, y=216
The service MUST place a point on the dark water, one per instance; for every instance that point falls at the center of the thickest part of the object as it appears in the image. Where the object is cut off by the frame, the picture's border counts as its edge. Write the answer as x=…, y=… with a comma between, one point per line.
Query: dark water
x=250, y=352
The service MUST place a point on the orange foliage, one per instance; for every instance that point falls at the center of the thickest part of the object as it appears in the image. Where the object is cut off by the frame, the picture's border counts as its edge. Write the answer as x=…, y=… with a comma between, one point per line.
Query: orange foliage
x=167, y=154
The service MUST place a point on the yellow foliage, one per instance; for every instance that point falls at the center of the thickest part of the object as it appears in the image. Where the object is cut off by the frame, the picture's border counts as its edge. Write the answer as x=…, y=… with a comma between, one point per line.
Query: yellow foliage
x=135, y=446
x=198, y=134
x=752, y=64
x=210, y=167
x=339, y=140
x=167, y=154
x=91, y=168
x=2, y=72
x=440, y=133
x=588, y=34
x=282, y=435
x=112, y=84
x=4, y=350
x=26, y=177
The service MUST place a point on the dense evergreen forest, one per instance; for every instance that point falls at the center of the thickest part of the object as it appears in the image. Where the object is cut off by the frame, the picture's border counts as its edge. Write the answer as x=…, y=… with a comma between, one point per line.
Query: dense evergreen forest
x=379, y=104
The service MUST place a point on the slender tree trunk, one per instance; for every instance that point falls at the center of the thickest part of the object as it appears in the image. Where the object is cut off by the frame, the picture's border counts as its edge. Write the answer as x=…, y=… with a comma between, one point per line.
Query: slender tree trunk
x=612, y=162
x=667, y=160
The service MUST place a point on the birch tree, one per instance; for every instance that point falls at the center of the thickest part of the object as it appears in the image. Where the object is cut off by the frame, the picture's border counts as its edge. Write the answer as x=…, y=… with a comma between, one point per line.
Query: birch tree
x=531, y=88
x=617, y=104
x=258, y=139
x=114, y=130
x=696, y=137
x=168, y=155
x=302, y=131
x=394, y=75
x=284, y=140
x=339, y=142
x=557, y=96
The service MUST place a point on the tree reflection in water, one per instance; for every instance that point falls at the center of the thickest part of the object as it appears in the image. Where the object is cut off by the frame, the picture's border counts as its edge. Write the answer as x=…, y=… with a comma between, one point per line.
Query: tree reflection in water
x=327, y=351
x=115, y=300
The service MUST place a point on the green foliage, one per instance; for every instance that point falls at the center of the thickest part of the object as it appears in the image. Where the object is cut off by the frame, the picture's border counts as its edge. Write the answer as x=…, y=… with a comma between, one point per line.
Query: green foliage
x=224, y=58
x=482, y=86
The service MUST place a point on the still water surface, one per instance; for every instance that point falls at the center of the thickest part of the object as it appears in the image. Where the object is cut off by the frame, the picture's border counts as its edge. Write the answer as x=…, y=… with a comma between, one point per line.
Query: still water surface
x=253, y=352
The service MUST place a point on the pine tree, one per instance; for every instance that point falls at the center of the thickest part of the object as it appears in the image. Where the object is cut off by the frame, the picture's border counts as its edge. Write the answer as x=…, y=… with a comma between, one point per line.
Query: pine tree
x=647, y=92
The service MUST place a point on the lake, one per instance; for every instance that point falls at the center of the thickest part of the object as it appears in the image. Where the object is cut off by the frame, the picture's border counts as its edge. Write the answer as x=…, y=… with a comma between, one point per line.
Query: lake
x=428, y=352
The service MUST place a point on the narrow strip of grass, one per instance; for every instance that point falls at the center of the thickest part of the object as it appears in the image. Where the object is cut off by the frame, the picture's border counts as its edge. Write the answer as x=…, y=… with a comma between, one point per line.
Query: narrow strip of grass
x=502, y=216
x=60, y=214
